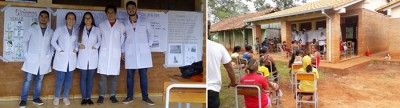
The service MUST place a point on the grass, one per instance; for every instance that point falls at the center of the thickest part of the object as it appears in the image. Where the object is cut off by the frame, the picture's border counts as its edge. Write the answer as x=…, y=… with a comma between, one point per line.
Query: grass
x=227, y=96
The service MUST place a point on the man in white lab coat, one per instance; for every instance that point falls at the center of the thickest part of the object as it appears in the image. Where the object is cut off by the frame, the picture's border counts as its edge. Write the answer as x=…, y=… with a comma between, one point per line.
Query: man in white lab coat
x=38, y=54
x=112, y=32
x=137, y=51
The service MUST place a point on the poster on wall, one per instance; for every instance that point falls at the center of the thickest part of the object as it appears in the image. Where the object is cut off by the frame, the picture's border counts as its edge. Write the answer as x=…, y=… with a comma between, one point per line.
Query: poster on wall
x=185, y=29
x=158, y=21
x=16, y=21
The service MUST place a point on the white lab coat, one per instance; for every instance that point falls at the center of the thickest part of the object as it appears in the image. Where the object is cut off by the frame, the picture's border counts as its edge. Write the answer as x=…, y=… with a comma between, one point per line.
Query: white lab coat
x=138, y=44
x=88, y=58
x=37, y=50
x=112, y=39
x=63, y=41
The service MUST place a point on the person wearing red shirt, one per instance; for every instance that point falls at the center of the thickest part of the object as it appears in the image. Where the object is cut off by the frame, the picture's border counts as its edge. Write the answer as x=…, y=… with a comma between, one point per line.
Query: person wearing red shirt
x=255, y=79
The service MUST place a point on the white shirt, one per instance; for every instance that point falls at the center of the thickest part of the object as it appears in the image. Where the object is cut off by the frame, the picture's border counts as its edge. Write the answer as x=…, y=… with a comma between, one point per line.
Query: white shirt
x=216, y=55
x=303, y=38
x=321, y=40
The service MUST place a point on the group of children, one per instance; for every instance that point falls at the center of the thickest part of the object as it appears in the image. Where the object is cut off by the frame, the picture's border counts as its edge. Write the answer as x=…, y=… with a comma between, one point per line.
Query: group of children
x=265, y=74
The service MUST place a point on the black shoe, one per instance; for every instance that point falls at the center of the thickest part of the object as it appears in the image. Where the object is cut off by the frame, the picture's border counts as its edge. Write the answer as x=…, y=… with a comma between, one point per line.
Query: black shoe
x=148, y=101
x=83, y=102
x=100, y=100
x=38, y=101
x=127, y=100
x=22, y=104
x=89, y=101
x=113, y=99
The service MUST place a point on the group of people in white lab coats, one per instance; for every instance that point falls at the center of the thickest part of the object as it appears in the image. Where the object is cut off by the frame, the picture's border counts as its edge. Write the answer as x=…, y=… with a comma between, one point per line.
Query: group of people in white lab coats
x=88, y=48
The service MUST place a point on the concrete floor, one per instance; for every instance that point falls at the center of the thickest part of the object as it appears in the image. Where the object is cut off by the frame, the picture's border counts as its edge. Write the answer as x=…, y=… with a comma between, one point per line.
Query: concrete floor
x=75, y=103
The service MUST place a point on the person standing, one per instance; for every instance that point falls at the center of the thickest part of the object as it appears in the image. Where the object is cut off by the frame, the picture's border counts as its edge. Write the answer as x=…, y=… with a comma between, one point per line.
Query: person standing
x=112, y=32
x=38, y=54
x=321, y=42
x=303, y=39
x=217, y=55
x=64, y=41
x=137, y=51
x=89, y=42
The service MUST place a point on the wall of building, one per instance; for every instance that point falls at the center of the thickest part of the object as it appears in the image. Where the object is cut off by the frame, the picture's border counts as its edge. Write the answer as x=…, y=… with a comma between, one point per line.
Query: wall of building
x=394, y=37
x=234, y=38
x=375, y=31
x=373, y=4
x=395, y=12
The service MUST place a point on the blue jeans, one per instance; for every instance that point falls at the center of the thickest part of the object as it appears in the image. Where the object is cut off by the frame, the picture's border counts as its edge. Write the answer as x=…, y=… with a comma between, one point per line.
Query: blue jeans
x=86, y=83
x=62, y=77
x=143, y=82
x=27, y=82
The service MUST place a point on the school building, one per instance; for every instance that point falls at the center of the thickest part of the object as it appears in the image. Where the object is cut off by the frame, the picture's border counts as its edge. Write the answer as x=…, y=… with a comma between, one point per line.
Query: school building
x=356, y=22
x=232, y=32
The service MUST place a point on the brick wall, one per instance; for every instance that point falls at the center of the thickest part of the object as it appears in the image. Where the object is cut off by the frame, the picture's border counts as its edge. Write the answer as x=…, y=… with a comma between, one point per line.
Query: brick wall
x=375, y=29
x=394, y=37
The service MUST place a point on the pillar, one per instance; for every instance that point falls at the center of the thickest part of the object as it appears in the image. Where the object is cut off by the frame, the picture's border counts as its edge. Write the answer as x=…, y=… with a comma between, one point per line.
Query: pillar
x=286, y=32
x=256, y=34
x=335, y=49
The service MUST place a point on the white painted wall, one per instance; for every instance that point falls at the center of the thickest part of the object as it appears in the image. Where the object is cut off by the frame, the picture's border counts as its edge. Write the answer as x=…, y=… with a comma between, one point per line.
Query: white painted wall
x=395, y=12
x=373, y=4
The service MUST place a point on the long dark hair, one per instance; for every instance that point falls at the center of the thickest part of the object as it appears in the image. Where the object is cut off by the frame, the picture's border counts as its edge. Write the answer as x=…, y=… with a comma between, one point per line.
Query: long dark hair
x=295, y=53
x=236, y=49
x=82, y=25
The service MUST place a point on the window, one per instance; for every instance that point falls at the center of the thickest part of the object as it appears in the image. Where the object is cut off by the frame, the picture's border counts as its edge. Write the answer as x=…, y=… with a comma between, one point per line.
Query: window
x=321, y=24
x=294, y=27
x=306, y=26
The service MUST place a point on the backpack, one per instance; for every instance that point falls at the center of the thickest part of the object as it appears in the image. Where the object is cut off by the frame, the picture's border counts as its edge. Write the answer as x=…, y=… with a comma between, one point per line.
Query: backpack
x=194, y=69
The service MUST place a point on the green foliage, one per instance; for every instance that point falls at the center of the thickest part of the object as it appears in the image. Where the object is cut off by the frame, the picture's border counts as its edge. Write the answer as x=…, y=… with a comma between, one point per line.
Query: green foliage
x=222, y=9
x=285, y=4
x=261, y=5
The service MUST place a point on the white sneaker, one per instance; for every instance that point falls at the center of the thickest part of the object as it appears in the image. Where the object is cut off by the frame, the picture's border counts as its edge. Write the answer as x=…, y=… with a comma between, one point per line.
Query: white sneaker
x=66, y=101
x=56, y=101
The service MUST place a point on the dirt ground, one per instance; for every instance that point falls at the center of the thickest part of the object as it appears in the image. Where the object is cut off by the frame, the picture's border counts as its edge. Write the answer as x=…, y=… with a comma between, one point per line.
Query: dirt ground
x=376, y=85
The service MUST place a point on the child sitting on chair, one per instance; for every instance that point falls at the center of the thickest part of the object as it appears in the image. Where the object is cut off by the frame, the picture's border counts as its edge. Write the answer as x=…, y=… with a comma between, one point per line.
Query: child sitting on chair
x=254, y=79
x=268, y=62
x=307, y=67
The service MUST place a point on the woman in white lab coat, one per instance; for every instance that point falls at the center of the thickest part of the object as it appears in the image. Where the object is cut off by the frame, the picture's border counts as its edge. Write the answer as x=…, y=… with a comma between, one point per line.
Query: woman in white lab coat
x=88, y=42
x=65, y=42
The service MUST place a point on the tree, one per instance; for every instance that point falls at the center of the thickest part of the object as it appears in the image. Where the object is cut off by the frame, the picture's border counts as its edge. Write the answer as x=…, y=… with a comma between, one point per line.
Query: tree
x=221, y=9
x=285, y=4
x=261, y=5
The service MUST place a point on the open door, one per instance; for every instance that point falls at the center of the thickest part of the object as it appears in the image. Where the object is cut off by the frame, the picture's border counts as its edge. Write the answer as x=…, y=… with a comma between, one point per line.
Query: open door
x=349, y=31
